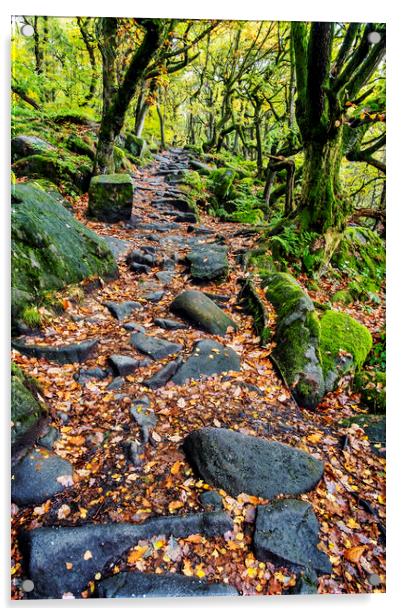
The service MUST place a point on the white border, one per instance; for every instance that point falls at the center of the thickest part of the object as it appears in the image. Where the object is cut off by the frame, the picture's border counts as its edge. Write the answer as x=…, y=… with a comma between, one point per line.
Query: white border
x=340, y=10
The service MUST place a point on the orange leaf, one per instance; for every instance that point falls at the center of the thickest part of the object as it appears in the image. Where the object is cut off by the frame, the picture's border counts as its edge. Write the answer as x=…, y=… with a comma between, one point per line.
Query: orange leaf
x=354, y=554
x=175, y=505
x=314, y=438
x=136, y=554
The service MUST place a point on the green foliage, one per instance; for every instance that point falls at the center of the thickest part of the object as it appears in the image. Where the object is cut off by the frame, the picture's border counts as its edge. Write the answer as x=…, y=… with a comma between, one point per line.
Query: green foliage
x=31, y=316
x=371, y=384
x=294, y=246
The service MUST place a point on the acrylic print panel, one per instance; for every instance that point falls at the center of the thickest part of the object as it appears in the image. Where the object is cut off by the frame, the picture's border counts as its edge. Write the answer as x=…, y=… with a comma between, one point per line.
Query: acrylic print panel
x=198, y=261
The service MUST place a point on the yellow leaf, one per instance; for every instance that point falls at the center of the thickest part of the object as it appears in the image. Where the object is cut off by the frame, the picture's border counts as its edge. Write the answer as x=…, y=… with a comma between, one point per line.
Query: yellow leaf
x=314, y=438
x=251, y=572
x=176, y=467
x=69, y=566
x=175, y=505
x=88, y=555
x=187, y=570
x=354, y=554
x=351, y=523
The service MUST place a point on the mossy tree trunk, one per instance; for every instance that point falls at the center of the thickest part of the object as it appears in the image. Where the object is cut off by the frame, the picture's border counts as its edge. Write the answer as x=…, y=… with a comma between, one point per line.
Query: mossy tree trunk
x=324, y=85
x=117, y=97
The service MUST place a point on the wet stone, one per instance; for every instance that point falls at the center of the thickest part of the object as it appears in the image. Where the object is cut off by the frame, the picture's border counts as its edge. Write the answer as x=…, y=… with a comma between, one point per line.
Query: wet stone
x=135, y=584
x=211, y=501
x=121, y=310
x=287, y=532
x=39, y=476
x=207, y=358
x=123, y=365
x=86, y=375
x=46, y=550
x=64, y=354
x=165, y=277
x=134, y=327
x=47, y=440
x=156, y=348
x=165, y=374
x=116, y=384
x=195, y=307
x=170, y=324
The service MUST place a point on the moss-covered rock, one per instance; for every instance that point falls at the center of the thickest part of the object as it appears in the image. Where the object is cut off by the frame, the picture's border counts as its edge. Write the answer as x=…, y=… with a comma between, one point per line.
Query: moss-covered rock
x=221, y=184
x=371, y=384
x=27, y=145
x=110, y=197
x=345, y=344
x=72, y=171
x=50, y=248
x=51, y=189
x=27, y=412
x=135, y=145
x=362, y=252
x=297, y=351
x=77, y=145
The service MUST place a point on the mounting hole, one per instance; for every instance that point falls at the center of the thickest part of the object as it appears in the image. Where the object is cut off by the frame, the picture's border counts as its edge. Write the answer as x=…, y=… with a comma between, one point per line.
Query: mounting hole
x=27, y=30
x=374, y=37
x=27, y=585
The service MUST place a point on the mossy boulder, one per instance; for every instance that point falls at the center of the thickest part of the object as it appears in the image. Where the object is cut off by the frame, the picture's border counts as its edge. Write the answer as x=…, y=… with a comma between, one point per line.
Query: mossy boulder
x=345, y=344
x=27, y=145
x=297, y=337
x=51, y=189
x=77, y=145
x=110, y=197
x=28, y=414
x=371, y=384
x=73, y=172
x=361, y=252
x=135, y=145
x=221, y=184
x=50, y=248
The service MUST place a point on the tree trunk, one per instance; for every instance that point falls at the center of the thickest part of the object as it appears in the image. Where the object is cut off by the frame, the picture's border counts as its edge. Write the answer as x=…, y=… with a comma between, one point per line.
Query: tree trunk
x=162, y=126
x=321, y=200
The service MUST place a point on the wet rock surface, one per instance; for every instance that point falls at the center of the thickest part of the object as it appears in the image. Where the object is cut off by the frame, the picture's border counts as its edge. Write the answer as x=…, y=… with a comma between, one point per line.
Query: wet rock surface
x=199, y=310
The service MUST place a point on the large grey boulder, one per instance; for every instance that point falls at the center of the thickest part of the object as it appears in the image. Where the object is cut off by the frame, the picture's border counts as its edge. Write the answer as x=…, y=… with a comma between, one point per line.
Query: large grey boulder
x=50, y=248
x=297, y=337
x=39, y=476
x=208, y=262
x=135, y=584
x=110, y=197
x=287, y=533
x=240, y=463
x=196, y=308
x=207, y=358
x=46, y=550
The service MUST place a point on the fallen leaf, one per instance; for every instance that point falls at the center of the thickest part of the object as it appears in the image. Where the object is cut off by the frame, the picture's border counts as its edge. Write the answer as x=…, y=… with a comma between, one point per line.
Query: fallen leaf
x=354, y=554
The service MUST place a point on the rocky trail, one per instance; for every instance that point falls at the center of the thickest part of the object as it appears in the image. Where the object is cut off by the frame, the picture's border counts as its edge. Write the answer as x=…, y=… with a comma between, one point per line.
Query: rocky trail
x=176, y=461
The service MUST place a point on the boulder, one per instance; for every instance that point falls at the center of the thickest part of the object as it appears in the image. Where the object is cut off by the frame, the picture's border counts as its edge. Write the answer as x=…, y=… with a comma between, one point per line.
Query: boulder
x=157, y=348
x=135, y=584
x=39, y=476
x=297, y=337
x=196, y=308
x=123, y=365
x=61, y=167
x=287, y=533
x=110, y=197
x=208, y=262
x=135, y=145
x=46, y=550
x=121, y=310
x=169, y=324
x=50, y=248
x=92, y=374
x=344, y=345
x=28, y=414
x=240, y=463
x=63, y=354
x=26, y=145
x=207, y=358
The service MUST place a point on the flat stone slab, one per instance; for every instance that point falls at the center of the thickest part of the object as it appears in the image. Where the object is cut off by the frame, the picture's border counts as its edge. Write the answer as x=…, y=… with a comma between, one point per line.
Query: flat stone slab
x=122, y=365
x=46, y=550
x=287, y=532
x=135, y=584
x=160, y=378
x=157, y=348
x=35, y=477
x=170, y=324
x=199, y=310
x=121, y=310
x=64, y=354
x=208, y=262
x=240, y=463
x=117, y=246
x=92, y=374
x=208, y=358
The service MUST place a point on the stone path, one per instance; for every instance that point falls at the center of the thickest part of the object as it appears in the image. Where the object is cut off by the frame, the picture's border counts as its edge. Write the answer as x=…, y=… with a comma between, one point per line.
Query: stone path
x=149, y=338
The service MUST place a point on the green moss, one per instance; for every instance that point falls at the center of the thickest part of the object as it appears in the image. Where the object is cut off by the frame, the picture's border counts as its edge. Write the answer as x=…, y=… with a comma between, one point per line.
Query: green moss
x=361, y=252
x=50, y=248
x=110, y=197
x=31, y=316
x=26, y=410
x=342, y=297
x=371, y=384
x=73, y=172
x=79, y=146
x=341, y=333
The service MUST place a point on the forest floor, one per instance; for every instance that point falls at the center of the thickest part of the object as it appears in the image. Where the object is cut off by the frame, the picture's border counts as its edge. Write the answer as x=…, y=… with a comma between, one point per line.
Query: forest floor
x=94, y=422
